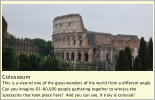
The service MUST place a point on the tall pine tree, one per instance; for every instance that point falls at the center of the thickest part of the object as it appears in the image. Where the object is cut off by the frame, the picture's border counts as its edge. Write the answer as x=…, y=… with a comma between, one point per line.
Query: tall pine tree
x=122, y=61
x=9, y=59
x=129, y=56
x=137, y=64
x=143, y=55
x=150, y=52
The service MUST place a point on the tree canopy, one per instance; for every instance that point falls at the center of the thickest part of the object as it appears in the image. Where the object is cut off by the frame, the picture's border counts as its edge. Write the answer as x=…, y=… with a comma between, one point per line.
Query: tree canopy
x=122, y=61
x=9, y=58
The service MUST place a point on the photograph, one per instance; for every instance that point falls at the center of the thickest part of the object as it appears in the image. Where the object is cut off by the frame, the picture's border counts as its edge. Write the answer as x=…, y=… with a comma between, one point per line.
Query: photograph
x=77, y=37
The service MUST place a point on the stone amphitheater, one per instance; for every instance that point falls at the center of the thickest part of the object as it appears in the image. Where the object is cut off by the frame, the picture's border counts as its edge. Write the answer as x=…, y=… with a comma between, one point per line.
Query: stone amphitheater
x=73, y=42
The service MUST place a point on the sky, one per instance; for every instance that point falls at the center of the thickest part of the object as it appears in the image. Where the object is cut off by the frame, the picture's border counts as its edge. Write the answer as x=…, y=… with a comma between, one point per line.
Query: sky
x=36, y=21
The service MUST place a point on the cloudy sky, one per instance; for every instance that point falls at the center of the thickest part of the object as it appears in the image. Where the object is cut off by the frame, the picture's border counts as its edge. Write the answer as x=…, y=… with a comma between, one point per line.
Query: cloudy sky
x=35, y=21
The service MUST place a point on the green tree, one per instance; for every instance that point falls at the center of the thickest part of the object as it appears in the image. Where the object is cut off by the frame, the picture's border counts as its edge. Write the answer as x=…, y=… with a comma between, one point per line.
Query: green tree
x=24, y=62
x=122, y=61
x=61, y=64
x=9, y=59
x=47, y=63
x=41, y=64
x=143, y=55
x=48, y=47
x=129, y=56
x=43, y=46
x=34, y=60
x=150, y=52
x=137, y=64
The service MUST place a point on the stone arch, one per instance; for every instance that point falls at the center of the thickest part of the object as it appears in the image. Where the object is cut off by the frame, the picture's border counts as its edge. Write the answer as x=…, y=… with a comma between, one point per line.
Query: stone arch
x=68, y=40
x=97, y=55
x=62, y=55
x=67, y=56
x=72, y=56
x=74, y=42
x=69, y=24
x=116, y=56
x=80, y=42
x=73, y=38
x=60, y=24
x=107, y=57
x=63, y=38
x=86, y=56
x=79, y=56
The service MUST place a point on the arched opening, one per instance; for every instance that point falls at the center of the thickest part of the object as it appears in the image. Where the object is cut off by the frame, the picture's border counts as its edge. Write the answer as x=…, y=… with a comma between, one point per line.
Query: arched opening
x=72, y=57
x=74, y=42
x=94, y=51
x=79, y=56
x=107, y=57
x=62, y=55
x=80, y=42
x=69, y=24
x=60, y=24
x=67, y=56
x=68, y=40
x=116, y=57
x=86, y=56
x=63, y=38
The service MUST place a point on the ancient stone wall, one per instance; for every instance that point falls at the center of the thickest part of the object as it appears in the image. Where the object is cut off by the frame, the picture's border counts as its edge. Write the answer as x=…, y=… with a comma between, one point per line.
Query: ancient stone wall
x=68, y=24
x=74, y=43
x=4, y=27
x=118, y=41
x=122, y=41
x=103, y=38
x=68, y=40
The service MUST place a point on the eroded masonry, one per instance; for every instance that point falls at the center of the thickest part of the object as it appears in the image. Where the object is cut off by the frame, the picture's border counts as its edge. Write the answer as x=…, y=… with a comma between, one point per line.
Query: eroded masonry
x=73, y=42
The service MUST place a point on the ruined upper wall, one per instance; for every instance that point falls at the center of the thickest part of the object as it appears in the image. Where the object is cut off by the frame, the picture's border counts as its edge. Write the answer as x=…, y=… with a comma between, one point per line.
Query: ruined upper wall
x=4, y=26
x=68, y=24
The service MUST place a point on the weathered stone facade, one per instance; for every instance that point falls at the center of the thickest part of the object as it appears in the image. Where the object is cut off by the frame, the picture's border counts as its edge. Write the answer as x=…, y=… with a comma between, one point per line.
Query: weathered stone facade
x=74, y=43
x=4, y=28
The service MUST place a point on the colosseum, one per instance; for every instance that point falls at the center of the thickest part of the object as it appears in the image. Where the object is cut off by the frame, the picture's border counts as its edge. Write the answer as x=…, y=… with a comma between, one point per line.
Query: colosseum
x=74, y=43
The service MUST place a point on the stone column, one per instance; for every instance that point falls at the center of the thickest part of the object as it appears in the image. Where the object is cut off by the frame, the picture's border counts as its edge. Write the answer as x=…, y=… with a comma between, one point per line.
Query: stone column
x=111, y=56
x=75, y=56
x=82, y=57
x=103, y=55
x=90, y=56
x=65, y=55
x=70, y=54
